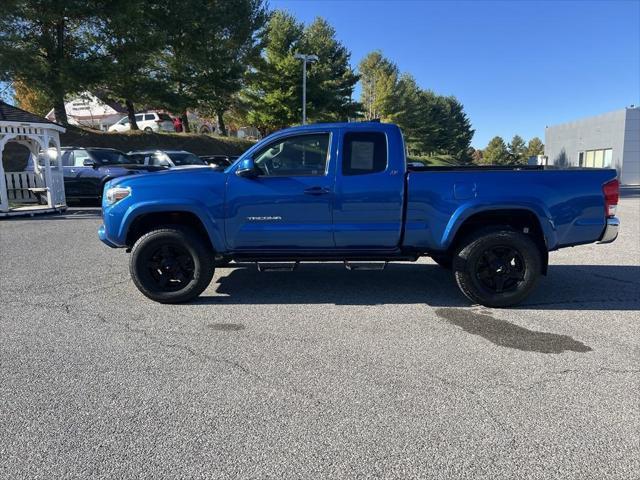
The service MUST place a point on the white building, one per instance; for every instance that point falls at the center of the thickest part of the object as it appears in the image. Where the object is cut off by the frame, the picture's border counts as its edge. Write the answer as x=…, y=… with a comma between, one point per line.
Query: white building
x=610, y=140
x=87, y=110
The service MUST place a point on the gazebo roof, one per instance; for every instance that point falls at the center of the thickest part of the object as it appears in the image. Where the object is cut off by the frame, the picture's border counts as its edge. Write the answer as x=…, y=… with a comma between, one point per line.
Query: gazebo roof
x=11, y=114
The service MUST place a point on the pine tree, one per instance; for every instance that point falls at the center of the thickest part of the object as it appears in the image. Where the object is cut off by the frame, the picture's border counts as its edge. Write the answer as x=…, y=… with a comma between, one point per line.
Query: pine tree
x=378, y=78
x=535, y=147
x=51, y=46
x=496, y=152
x=273, y=94
x=517, y=150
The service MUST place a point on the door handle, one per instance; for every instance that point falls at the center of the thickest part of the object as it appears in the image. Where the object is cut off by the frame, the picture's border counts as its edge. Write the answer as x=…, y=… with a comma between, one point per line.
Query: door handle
x=317, y=191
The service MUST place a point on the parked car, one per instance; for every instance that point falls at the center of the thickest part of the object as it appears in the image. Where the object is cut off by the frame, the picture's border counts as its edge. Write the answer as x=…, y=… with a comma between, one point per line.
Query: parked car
x=148, y=122
x=219, y=161
x=86, y=170
x=344, y=192
x=166, y=158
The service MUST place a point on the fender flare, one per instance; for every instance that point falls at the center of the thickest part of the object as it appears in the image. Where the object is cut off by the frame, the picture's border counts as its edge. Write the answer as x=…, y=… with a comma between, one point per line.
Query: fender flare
x=467, y=210
x=186, y=205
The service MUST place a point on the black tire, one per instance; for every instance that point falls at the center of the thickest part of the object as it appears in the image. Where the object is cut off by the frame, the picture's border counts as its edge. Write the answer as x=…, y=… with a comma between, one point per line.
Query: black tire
x=444, y=260
x=171, y=265
x=148, y=130
x=497, y=267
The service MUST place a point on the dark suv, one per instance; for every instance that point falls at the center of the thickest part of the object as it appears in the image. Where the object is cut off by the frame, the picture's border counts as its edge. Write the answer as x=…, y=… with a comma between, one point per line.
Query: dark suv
x=86, y=170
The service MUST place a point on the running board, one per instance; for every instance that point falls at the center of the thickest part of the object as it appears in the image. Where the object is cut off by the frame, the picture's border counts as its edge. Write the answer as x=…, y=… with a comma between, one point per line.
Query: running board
x=355, y=265
x=277, y=266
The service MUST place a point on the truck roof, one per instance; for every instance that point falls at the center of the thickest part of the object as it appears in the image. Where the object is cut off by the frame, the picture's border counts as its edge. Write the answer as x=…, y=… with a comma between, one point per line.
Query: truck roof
x=350, y=125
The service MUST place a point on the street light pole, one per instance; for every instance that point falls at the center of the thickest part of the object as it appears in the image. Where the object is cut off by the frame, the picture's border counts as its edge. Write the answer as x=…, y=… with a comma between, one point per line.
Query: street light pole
x=305, y=59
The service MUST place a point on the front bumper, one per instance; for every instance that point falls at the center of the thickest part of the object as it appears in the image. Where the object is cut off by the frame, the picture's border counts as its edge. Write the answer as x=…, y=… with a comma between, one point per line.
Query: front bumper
x=102, y=235
x=610, y=231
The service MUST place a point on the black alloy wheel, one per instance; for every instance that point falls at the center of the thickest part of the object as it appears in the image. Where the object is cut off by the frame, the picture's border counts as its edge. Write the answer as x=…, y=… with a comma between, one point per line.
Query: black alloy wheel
x=497, y=267
x=172, y=264
x=171, y=267
x=500, y=269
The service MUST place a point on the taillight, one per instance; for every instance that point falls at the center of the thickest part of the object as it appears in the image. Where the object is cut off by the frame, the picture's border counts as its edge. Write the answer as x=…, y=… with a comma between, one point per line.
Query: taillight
x=611, y=192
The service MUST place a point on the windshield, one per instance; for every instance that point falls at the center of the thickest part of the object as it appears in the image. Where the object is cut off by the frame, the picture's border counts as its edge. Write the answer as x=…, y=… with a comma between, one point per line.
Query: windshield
x=185, y=159
x=111, y=157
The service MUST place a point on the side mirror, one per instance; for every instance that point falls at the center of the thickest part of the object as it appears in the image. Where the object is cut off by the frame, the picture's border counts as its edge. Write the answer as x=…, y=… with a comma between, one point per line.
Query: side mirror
x=90, y=162
x=247, y=169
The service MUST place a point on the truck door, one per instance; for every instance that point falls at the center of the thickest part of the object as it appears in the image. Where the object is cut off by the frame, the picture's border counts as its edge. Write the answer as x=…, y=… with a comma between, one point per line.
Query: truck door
x=69, y=173
x=288, y=204
x=85, y=179
x=367, y=209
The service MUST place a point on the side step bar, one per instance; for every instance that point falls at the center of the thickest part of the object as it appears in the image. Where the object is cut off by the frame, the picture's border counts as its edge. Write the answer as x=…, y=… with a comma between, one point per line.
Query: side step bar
x=363, y=265
x=351, y=265
x=277, y=266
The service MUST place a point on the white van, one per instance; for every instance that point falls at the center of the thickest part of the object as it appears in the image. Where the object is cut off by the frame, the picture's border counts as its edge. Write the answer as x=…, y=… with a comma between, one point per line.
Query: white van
x=148, y=122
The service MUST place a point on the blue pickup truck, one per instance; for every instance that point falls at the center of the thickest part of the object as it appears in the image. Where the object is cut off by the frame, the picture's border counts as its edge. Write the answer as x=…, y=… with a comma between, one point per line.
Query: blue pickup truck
x=345, y=192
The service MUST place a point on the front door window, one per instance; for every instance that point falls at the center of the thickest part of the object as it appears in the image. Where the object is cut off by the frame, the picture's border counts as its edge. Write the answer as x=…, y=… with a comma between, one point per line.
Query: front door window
x=303, y=155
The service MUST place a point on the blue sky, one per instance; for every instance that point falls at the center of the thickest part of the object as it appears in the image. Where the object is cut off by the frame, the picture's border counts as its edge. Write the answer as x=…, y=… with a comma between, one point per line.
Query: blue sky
x=516, y=66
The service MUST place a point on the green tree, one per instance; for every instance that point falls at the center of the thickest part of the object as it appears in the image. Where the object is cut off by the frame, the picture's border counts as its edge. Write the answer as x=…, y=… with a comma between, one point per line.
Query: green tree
x=496, y=152
x=432, y=124
x=51, y=46
x=239, y=50
x=378, y=79
x=203, y=55
x=273, y=94
x=517, y=150
x=535, y=147
x=331, y=80
x=132, y=38
x=457, y=131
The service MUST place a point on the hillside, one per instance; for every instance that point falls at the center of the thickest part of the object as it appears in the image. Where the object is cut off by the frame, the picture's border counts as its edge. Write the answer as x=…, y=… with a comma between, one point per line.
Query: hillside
x=15, y=156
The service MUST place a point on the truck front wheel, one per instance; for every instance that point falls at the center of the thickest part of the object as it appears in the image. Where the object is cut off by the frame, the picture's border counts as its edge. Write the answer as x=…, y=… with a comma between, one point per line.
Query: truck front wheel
x=497, y=267
x=171, y=265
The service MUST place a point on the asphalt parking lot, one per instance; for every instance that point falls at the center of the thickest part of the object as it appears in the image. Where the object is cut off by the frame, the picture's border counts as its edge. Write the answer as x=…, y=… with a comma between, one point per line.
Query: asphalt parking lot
x=318, y=373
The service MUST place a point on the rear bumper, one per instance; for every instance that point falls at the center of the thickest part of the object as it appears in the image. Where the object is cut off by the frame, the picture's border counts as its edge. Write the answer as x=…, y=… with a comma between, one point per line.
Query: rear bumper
x=610, y=231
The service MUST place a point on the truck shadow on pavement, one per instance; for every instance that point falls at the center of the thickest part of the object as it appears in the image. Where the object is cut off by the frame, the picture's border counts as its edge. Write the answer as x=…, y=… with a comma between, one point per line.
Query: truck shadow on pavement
x=507, y=334
x=567, y=287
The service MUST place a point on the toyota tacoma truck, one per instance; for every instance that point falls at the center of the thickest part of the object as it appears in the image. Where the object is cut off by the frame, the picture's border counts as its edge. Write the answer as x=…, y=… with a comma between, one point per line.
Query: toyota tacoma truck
x=345, y=192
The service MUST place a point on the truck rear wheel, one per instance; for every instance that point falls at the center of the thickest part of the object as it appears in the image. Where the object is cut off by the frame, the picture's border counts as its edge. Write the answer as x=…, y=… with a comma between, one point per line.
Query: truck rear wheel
x=171, y=265
x=497, y=267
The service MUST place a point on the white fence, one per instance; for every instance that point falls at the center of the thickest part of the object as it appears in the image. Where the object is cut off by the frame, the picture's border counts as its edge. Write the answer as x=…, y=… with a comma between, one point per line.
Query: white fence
x=20, y=183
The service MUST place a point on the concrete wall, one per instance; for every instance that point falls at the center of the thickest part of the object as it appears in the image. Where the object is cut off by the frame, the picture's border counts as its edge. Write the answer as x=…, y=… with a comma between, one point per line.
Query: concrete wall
x=619, y=130
x=631, y=153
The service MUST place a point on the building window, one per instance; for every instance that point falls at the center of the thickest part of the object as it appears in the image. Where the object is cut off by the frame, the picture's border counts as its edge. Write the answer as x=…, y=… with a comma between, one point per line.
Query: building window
x=598, y=158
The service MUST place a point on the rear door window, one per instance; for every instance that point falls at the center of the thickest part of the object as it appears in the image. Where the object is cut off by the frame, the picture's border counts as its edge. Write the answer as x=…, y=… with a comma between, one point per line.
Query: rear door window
x=364, y=153
x=149, y=116
x=79, y=156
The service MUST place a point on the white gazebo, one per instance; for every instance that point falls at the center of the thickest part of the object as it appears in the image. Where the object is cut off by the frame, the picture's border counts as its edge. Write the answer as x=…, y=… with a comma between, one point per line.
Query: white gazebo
x=40, y=190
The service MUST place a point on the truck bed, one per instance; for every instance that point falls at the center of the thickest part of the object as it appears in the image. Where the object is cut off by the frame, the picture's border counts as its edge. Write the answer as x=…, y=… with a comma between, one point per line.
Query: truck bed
x=568, y=203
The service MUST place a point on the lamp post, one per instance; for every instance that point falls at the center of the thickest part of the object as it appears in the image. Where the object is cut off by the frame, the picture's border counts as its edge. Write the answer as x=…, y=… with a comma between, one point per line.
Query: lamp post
x=305, y=59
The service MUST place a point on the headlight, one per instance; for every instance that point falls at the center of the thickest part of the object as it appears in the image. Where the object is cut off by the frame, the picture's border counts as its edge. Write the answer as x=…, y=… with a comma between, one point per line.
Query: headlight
x=115, y=194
